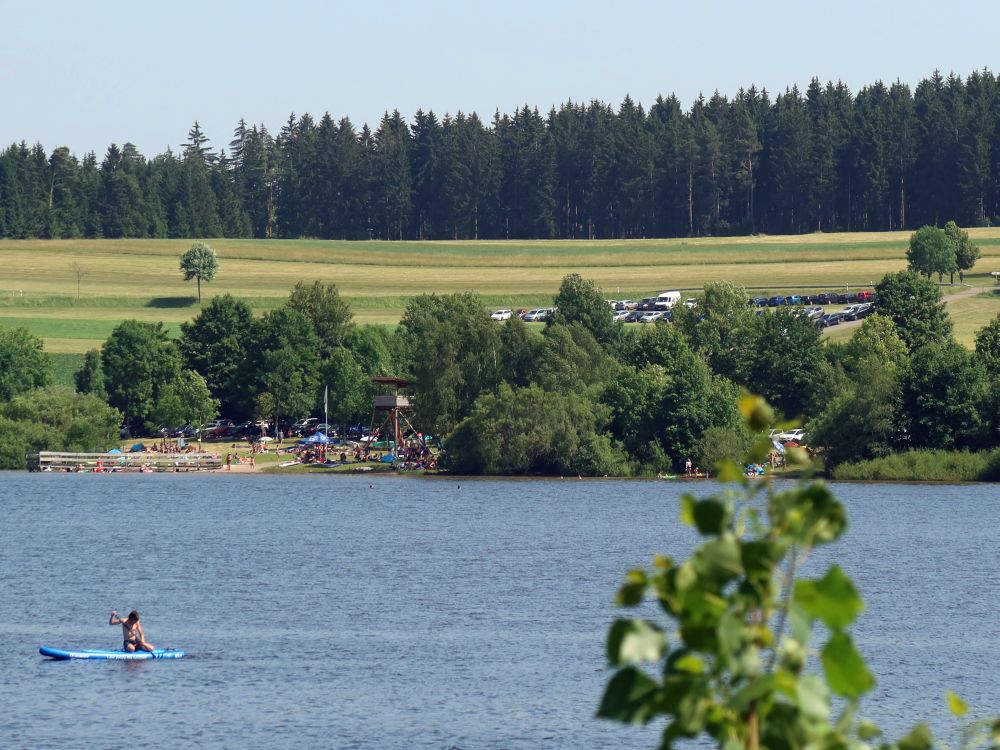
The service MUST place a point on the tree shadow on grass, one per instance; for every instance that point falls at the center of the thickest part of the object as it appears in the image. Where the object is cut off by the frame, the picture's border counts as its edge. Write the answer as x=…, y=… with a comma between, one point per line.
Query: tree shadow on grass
x=171, y=301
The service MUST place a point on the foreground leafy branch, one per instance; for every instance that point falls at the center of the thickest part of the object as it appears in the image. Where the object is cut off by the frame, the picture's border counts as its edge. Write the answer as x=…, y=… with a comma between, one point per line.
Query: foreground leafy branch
x=733, y=663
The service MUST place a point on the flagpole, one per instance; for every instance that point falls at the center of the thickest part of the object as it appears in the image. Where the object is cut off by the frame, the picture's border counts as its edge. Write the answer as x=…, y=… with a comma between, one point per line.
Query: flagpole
x=326, y=419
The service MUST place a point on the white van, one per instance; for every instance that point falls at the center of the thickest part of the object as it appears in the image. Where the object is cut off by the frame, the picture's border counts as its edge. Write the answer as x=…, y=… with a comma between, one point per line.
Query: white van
x=666, y=300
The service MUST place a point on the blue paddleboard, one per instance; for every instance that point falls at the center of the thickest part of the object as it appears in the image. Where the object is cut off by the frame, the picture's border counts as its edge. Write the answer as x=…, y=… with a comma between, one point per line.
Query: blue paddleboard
x=160, y=653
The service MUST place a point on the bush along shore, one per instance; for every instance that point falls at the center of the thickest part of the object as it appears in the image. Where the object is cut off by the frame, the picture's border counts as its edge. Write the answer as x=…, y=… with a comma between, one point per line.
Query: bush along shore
x=925, y=466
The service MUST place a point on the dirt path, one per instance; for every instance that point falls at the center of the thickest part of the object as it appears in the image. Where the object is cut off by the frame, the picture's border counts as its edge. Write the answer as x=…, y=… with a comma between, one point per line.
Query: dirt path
x=947, y=299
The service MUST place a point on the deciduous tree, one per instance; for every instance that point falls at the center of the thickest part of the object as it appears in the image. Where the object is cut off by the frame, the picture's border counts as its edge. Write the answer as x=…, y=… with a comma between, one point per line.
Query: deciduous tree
x=931, y=251
x=201, y=263
x=138, y=359
x=23, y=363
x=217, y=344
x=329, y=313
x=915, y=307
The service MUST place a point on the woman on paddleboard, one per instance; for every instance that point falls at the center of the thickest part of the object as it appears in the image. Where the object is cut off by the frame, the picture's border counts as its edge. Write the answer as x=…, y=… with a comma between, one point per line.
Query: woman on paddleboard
x=134, y=638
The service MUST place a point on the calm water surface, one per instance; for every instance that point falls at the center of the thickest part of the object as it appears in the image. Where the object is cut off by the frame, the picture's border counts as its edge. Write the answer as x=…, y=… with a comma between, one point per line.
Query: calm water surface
x=417, y=614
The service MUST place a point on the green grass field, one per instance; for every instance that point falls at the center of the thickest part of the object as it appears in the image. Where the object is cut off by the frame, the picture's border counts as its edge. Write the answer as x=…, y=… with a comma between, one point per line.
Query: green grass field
x=120, y=279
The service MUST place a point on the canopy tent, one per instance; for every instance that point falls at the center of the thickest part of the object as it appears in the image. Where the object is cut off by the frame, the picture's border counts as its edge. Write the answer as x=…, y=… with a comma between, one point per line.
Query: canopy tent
x=115, y=451
x=317, y=438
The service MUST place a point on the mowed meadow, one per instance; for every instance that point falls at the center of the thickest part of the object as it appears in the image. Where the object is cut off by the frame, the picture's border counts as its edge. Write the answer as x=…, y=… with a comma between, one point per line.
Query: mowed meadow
x=72, y=293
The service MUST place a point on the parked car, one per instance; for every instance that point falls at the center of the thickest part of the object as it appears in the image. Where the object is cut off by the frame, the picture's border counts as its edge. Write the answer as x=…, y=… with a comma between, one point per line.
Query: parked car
x=303, y=427
x=647, y=303
x=619, y=315
x=793, y=299
x=813, y=312
x=357, y=431
x=535, y=316
x=830, y=319
x=634, y=316
x=776, y=301
x=857, y=312
x=184, y=431
x=502, y=315
x=798, y=435
x=819, y=299
x=651, y=317
x=866, y=296
x=758, y=302
x=847, y=298
x=218, y=429
x=690, y=303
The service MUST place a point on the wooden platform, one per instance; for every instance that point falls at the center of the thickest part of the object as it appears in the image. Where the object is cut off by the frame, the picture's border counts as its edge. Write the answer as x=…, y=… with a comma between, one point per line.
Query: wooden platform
x=119, y=462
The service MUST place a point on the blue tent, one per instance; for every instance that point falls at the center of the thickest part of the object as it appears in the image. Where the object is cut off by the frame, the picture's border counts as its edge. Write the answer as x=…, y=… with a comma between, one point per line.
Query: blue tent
x=115, y=451
x=317, y=438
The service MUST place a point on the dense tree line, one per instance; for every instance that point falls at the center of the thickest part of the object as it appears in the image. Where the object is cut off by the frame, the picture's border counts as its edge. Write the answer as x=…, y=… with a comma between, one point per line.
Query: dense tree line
x=824, y=159
x=583, y=396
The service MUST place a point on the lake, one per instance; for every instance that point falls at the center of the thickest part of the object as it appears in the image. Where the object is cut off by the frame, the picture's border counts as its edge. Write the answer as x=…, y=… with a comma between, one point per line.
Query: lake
x=385, y=612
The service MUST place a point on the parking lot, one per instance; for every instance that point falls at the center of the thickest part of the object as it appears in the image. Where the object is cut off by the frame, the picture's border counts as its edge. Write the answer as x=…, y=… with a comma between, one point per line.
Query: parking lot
x=828, y=309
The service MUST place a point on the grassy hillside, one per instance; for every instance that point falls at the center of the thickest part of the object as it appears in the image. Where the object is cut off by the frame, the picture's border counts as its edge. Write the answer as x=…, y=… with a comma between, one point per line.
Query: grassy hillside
x=140, y=279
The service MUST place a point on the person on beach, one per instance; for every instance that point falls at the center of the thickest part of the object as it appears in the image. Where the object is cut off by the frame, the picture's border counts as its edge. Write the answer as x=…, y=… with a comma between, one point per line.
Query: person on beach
x=133, y=637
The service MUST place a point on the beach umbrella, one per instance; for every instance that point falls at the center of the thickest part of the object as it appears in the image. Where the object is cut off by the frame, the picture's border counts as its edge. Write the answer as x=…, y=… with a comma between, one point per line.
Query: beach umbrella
x=115, y=451
x=265, y=439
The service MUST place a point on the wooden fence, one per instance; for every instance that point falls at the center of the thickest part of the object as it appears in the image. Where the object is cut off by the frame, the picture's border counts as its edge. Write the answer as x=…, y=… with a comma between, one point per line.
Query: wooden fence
x=118, y=462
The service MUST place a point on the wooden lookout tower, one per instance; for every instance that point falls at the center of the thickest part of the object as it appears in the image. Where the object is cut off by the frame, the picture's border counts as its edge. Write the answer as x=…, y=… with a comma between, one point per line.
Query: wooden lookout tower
x=389, y=408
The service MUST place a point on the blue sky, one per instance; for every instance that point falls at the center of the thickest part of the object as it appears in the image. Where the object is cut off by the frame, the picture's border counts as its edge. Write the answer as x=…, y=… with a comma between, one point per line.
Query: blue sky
x=88, y=74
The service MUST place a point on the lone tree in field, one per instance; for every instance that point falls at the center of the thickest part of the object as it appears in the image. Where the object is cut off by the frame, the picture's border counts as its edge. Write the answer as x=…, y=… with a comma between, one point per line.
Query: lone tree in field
x=200, y=262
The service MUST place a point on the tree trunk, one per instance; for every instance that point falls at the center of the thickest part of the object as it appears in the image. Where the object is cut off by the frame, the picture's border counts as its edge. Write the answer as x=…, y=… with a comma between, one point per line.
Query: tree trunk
x=690, y=202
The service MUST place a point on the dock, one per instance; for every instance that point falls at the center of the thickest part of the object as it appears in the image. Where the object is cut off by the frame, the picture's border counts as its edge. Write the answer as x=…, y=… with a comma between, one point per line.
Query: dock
x=122, y=462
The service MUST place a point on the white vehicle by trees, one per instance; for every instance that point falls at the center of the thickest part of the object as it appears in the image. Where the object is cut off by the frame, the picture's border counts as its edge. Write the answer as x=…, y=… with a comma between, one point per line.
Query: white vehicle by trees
x=666, y=300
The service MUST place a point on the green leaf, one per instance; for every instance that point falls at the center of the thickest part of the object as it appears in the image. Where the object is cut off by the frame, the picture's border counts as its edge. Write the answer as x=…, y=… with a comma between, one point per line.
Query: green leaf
x=662, y=562
x=719, y=560
x=686, y=576
x=756, y=688
x=631, y=641
x=800, y=624
x=630, y=594
x=730, y=634
x=810, y=515
x=634, y=588
x=957, y=705
x=629, y=698
x=756, y=411
x=687, y=509
x=690, y=663
x=813, y=698
x=710, y=517
x=868, y=730
x=832, y=598
x=845, y=669
x=919, y=738
x=727, y=471
x=759, y=451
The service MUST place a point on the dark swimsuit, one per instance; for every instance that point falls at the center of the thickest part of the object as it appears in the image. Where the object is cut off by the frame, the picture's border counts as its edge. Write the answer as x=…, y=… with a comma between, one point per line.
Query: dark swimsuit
x=131, y=640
